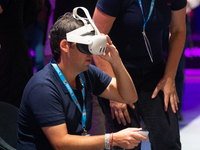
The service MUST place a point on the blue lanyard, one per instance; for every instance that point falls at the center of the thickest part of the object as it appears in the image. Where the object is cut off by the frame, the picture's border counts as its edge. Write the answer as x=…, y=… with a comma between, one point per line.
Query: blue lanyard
x=150, y=11
x=73, y=96
x=147, y=43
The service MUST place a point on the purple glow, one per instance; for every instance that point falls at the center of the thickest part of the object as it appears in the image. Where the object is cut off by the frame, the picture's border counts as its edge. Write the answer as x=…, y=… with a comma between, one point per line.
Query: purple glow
x=195, y=52
x=32, y=53
x=192, y=71
x=192, y=75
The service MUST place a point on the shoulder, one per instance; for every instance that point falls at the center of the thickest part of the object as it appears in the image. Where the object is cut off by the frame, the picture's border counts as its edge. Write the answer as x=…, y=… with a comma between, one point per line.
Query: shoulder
x=43, y=82
x=96, y=80
x=95, y=71
x=111, y=7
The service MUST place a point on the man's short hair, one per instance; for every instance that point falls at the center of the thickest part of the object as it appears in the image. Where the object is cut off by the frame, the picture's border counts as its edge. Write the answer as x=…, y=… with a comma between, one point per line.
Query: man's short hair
x=63, y=25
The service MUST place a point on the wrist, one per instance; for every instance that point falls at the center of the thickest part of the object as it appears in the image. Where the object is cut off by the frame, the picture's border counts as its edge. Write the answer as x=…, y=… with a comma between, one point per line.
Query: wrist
x=114, y=140
x=116, y=63
x=107, y=141
x=111, y=142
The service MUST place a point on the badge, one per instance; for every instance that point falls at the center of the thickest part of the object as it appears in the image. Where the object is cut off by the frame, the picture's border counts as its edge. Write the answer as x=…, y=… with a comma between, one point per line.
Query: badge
x=85, y=133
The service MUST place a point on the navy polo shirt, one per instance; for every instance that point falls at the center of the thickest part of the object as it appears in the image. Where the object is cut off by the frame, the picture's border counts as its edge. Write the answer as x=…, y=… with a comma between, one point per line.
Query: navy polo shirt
x=46, y=102
x=126, y=32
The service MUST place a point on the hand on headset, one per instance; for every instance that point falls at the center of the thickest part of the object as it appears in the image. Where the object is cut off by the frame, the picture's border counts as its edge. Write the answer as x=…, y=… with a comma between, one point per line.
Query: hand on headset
x=111, y=54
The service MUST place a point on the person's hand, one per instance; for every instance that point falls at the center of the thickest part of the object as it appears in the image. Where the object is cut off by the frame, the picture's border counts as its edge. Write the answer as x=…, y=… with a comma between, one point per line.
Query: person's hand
x=167, y=85
x=120, y=111
x=1, y=10
x=111, y=54
x=128, y=138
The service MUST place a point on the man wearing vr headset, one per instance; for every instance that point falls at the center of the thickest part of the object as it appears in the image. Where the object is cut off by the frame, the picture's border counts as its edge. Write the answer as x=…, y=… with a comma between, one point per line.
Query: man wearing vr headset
x=56, y=107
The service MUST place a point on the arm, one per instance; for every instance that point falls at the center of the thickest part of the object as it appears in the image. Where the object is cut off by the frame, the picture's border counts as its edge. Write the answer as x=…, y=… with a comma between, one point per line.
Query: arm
x=177, y=40
x=99, y=19
x=117, y=109
x=121, y=88
x=60, y=139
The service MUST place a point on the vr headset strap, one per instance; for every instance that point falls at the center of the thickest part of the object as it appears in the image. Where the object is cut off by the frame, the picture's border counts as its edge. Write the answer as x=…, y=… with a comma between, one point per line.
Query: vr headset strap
x=84, y=19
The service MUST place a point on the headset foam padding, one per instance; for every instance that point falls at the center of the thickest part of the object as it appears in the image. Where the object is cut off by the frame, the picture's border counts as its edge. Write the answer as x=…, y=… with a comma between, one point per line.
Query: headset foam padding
x=83, y=48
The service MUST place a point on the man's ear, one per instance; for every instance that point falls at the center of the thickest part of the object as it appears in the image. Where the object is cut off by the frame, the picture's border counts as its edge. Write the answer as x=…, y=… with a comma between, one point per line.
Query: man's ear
x=64, y=45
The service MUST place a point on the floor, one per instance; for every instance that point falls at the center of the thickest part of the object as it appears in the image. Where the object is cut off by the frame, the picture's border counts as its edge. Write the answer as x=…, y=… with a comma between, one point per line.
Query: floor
x=190, y=126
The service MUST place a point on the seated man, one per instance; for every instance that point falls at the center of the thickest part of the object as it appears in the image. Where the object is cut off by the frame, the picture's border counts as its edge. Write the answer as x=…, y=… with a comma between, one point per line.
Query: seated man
x=56, y=107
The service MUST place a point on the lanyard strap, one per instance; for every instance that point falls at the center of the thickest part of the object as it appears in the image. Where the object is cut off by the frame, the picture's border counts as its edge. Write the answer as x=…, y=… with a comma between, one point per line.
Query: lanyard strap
x=73, y=96
x=150, y=11
x=147, y=43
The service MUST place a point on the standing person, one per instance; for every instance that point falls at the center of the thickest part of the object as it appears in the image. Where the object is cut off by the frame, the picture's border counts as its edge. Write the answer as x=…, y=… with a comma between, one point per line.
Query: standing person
x=35, y=38
x=135, y=27
x=180, y=77
x=15, y=63
x=56, y=107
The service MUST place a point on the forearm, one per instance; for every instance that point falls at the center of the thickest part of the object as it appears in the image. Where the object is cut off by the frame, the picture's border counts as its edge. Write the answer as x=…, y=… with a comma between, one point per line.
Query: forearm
x=103, y=65
x=176, y=46
x=177, y=29
x=76, y=142
x=60, y=139
x=125, y=85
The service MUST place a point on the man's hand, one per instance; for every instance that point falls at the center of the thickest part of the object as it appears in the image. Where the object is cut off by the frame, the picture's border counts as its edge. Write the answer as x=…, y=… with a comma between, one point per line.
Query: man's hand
x=120, y=111
x=128, y=138
x=167, y=85
x=111, y=54
x=1, y=10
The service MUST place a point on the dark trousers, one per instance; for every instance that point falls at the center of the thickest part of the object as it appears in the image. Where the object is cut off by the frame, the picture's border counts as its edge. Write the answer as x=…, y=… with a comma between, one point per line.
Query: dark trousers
x=162, y=126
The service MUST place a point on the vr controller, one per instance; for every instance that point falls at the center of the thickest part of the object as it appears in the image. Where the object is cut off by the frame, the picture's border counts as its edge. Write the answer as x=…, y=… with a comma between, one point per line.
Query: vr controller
x=87, y=38
x=144, y=133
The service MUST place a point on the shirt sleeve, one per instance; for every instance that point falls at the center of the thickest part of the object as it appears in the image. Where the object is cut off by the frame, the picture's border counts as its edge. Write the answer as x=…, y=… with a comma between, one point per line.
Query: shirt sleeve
x=46, y=105
x=178, y=4
x=99, y=80
x=109, y=7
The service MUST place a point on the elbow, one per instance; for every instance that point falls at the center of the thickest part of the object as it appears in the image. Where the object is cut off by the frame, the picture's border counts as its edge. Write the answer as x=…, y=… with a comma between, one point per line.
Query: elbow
x=132, y=99
x=135, y=99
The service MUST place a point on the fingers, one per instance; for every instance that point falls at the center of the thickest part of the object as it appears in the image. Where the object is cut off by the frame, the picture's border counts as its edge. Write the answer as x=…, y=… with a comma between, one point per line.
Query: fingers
x=167, y=85
x=117, y=116
x=132, y=106
x=166, y=101
x=112, y=113
x=155, y=92
x=122, y=116
x=120, y=112
x=127, y=116
x=174, y=102
x=109, y=40
x=129, y=138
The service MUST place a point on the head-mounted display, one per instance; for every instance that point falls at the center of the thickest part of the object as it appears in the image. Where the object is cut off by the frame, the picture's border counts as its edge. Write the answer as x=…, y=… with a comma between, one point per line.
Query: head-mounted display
x=87, y=38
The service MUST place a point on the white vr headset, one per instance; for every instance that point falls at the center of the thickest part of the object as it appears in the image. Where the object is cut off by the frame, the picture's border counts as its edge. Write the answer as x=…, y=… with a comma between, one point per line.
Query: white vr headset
x=87, y=38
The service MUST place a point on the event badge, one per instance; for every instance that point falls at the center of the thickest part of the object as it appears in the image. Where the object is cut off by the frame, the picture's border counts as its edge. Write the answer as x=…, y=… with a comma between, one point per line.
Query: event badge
x=85, y=133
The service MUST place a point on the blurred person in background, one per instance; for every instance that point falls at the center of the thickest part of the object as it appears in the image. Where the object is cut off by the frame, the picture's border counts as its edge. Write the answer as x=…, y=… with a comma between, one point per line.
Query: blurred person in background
x=15, y=63
x=135, y=27
x=35, y=39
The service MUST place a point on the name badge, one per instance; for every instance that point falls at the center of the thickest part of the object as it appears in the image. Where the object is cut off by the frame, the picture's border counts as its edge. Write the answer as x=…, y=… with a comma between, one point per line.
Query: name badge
x=85, y=133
